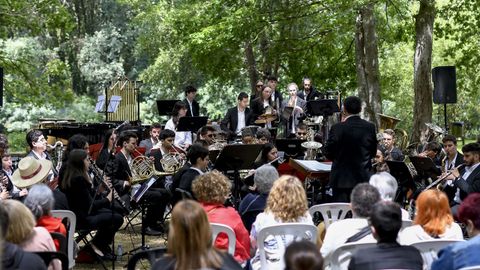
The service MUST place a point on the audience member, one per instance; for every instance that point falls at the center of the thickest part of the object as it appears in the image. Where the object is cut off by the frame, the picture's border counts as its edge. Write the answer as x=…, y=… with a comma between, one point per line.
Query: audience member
x=355, y=229
x=254, y=203
x=386, y=222
x=13, y=257
x=286, y=203
x=22, y=230
x=387, y=186
x=303, y=255
x=40, y=201
x=190, y=242
x=463, y=254
x=211, y=190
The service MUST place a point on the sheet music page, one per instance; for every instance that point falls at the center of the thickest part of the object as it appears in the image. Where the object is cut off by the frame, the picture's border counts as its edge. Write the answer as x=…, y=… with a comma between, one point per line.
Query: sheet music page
x=315, y=166
x=100, y=103
x=114, y=103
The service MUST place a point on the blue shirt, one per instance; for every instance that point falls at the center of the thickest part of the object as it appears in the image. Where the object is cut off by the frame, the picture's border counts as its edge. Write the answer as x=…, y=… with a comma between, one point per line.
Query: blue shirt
x=458, y=255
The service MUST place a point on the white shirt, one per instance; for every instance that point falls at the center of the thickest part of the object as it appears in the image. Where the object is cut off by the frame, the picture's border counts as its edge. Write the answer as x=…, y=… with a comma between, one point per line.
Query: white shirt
x=190, y=106
x=181, y=137
x=466, y=174
x=448, y=165
x=241, y=121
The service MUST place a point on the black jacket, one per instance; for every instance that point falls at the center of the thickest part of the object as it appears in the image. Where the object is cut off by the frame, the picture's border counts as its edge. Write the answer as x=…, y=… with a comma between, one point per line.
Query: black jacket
x=13, y=257
x=195, y=108
x=469, y=185
x=230, y=121
x=386, y=256
x=351, y=145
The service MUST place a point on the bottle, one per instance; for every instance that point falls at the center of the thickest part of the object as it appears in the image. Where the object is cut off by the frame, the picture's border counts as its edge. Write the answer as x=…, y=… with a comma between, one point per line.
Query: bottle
x=119, y=252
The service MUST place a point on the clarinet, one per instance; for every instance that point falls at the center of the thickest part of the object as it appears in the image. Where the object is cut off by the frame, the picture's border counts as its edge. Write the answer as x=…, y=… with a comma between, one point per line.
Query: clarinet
x=97, y=174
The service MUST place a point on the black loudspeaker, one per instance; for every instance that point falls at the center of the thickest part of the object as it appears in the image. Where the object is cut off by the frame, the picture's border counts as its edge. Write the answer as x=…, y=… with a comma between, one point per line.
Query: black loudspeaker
x=1, y=87
x=444, y=85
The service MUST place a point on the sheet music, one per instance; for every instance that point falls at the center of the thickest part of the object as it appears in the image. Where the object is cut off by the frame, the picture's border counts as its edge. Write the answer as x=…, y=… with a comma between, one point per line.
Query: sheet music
x=314, y=166
x=100, y=103
x=114, y=103
x=145, y=186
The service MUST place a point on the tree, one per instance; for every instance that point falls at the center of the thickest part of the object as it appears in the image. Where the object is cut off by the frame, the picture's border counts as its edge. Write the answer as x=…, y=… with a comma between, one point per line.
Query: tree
x=422, y=84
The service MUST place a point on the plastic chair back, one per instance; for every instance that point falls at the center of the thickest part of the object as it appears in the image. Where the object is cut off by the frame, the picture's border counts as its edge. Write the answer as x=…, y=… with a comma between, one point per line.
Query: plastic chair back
x=342, y=255
x=430, y=248
x=72, y=221
x=295, y=230
x=218, y=228
x=331, y=212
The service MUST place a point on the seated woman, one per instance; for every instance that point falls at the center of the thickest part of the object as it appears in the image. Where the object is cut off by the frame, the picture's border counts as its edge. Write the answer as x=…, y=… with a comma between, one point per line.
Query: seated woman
x=22, y=230
x=78, y=187
x=267, y=156
x=433, y=220
x=286, y=203
x=108, y=149
x=190, y=242
x=183, y=139
x=211, y=190
x=40, y=201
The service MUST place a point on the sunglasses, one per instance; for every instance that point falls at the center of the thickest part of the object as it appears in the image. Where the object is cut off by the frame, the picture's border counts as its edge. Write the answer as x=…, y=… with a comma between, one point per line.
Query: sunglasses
x=259, y=85
x=301, y=133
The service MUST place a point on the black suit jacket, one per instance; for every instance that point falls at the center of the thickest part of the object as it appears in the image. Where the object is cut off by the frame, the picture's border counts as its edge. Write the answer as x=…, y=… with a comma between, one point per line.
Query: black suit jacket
x=386, y=256
x=119, y=172
x=187, y=179
x=469, y=185
x=314, y=94
x=351, y=145
x=195, y=108
x=230, y=121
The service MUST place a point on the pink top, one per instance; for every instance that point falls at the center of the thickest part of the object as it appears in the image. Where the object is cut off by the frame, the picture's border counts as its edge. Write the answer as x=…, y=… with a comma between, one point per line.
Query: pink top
x=41, y=241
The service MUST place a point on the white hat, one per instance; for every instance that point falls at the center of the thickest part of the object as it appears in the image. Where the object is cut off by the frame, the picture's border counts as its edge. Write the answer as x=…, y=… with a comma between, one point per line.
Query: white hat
x=31, y=171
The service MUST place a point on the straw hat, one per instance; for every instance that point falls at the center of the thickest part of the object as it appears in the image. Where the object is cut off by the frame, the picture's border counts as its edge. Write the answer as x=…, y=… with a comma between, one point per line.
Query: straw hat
x=31, y=171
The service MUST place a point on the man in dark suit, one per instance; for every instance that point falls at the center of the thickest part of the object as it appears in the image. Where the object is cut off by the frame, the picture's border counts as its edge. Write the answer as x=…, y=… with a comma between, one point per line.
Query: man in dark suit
x=276, y=96
x=199, y=159
x=309, y=92
x=193, y=108
x=237, y=117
x=386, y=222
x=120, y=173
x=452, y=160
x=351, y=145
x=153, y=140
x=466, y=179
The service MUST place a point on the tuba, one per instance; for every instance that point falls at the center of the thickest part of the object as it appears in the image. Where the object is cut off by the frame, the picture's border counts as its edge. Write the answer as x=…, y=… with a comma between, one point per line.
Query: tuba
x=311, y=145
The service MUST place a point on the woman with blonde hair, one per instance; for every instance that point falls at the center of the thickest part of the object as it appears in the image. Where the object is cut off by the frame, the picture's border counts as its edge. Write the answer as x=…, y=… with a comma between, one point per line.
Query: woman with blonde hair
x=433, y=220
x=286, y=203
x=190, y=242
x=22, y=230
x=212, y=190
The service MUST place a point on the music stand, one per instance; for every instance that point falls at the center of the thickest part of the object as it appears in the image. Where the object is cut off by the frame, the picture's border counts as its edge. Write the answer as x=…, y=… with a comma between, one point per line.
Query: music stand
x=191, y=123
x=324, y=107
x=425, y=167
x=237, y=157
x=165, y=107
x=291, y=147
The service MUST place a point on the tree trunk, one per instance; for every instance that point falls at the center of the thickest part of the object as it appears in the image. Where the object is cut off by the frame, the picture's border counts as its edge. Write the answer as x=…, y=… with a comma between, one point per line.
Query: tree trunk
x=422, y=83
x=251, y=66
x=368, y=73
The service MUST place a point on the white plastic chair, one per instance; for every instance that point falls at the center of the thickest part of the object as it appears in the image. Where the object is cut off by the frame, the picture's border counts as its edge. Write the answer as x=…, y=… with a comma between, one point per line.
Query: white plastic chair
x=72, y=219
x=475, y=267
x=331, y=212
x=430, y=248
x=340, y=258
x=221, y=228
x=406, y=223
x=295, y=230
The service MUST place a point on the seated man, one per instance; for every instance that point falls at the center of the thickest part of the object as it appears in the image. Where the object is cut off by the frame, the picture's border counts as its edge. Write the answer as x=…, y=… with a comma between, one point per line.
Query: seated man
x=355, y=229
x=237, y=117
x=386, y=222
x=392, y=152
x=198, y=157
x=149, y=143
x=207, y=133
x=263, y=136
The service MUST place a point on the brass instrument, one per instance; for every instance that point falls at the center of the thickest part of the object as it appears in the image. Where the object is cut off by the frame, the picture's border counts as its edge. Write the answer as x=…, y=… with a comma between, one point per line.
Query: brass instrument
x=172, y=162
x=58, y=148
x=439, y=182
x=311, y=145
x=143, y=168
x=3, y=182
x=98, y=174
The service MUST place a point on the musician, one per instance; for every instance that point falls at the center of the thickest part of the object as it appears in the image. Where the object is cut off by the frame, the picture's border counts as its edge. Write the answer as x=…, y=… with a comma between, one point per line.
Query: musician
x=193, y=108
x=260, y=104
x=391, y=152
x=207, y=133
x=302, y=131
x=10, y=191
x=466, y=180
x=309, y=91
x=453, y=158
x=263, y=136
x=351, y=145
x=269, y=154
x=38, y=149
x=248, y=137
x=276, y=96
x=153, y=140
x=183, y=139
x=293, y=110
x=237, y=117
x=108, y=149
x=167, y=138
x=379, y=164
x=432, y=150
x=258, y=91
x=198, y=157
x=92, y=212
x=121, y=174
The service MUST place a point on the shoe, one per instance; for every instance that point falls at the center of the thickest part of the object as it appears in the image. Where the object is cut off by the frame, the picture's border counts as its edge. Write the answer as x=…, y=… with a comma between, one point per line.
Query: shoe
x=152, y=232
x=108, y=257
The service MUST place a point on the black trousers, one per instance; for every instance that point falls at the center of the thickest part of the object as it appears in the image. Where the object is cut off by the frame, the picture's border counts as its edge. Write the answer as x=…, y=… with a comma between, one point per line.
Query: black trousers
x=341, y=194
x=106, y=225
x=156, y=200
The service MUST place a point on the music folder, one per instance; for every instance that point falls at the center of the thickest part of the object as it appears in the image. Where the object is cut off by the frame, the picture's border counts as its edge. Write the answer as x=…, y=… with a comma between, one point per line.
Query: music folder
x=425, y=167
x=237, y=157
x=191, y=123
x=400, y=171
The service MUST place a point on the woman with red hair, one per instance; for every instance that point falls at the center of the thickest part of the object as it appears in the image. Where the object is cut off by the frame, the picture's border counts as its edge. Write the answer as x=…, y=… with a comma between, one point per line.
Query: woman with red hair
x=433, y=220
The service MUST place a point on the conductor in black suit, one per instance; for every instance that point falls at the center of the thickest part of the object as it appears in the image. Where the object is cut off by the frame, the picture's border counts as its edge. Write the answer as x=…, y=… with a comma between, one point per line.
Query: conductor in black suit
x=193, y=108
x=351, y=145
x=237, y=117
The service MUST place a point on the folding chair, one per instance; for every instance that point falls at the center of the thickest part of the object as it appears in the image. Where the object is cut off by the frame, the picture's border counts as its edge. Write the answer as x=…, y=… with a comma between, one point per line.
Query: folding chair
x=62, y=240
x=283, y=234
x=331, y=212
x=218, y=228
